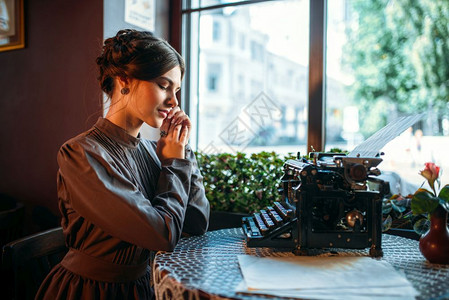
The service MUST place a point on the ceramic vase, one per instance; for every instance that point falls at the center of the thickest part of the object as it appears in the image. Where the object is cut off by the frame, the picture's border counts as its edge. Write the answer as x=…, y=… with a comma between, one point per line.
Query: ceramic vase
x=434, y=245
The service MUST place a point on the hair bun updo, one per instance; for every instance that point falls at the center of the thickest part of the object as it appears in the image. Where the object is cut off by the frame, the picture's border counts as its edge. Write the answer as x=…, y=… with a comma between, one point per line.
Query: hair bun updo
x=135, y=54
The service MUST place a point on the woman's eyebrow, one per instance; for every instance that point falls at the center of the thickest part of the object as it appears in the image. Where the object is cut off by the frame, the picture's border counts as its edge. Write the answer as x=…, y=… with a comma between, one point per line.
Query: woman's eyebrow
x=168, y=79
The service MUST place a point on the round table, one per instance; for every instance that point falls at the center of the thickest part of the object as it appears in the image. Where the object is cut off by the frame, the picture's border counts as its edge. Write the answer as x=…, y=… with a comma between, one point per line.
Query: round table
x=206, y=266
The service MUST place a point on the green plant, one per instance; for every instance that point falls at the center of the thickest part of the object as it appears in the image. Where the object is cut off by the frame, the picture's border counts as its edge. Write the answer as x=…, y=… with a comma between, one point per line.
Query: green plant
x=397, y=212
x=425, y=202
x=239, y=182
x=413, y=211
x=338, y=150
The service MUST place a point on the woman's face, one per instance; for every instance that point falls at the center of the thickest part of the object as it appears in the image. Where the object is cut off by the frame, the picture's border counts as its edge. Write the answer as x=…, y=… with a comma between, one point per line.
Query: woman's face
x=152, y=100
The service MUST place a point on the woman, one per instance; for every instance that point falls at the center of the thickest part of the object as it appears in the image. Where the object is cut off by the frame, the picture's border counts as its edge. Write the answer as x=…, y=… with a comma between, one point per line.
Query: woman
x=122, y=196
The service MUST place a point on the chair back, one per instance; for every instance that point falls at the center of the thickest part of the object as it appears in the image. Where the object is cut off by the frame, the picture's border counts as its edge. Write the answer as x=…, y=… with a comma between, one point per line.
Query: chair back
x=11, y=219
x=27, y=261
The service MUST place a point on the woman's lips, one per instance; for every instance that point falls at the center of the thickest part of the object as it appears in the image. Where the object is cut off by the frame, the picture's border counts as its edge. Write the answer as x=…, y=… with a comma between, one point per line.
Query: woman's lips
x=163, y=113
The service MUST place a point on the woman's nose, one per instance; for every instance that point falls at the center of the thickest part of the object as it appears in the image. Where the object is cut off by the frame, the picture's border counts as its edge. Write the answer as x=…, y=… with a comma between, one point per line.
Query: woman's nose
x=173, y=100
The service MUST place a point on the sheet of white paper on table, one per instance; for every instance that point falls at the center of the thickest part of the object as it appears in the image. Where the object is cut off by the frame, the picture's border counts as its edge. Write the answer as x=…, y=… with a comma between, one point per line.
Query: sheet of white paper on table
x=331, y=276
x=384, y=293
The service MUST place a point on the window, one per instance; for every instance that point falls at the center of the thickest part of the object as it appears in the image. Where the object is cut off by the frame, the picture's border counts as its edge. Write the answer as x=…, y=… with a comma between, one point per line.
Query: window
x=383, y=62
x=242, y=42
x=213, y=76
x=242, y=96
x=216, y=31
x=257, y=51
x=231, y=35
x=372, y=61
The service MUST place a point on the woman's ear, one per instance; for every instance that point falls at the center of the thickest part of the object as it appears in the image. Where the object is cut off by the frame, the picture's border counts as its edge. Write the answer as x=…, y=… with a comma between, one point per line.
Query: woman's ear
x=122, y=82
x=123, y=85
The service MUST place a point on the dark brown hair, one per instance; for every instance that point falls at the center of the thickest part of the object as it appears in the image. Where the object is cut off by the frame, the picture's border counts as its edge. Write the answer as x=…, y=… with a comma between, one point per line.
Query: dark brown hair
x=135, y=54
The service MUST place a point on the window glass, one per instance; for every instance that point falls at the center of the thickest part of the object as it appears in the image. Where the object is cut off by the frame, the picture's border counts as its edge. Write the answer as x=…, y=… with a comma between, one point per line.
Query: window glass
x=249, y=92
x=387, y=59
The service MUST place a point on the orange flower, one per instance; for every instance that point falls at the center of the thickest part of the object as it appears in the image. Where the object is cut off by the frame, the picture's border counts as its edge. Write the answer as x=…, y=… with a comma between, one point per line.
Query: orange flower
x=431, y=173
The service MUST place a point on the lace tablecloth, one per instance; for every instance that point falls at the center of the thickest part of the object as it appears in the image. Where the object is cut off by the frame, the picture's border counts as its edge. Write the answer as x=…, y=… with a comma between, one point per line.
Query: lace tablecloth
x=206, y=267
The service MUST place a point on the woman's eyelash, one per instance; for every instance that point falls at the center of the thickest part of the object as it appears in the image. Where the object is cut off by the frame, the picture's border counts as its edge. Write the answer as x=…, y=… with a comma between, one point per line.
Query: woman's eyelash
x=162, y=87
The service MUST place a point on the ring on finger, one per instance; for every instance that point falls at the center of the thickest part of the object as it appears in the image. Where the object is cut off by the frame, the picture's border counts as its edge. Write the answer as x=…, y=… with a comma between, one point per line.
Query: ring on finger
x=164, y=133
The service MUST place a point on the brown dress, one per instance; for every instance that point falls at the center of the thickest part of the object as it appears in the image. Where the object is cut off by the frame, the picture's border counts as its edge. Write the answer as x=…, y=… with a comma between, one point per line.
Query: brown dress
x=118, y=203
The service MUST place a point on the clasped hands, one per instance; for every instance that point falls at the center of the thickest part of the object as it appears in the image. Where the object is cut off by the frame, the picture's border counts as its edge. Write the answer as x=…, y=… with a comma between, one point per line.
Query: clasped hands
x=175, y=133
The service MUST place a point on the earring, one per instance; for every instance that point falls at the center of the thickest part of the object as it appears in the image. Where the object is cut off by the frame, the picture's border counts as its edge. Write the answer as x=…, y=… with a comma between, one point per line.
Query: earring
x=124, y=91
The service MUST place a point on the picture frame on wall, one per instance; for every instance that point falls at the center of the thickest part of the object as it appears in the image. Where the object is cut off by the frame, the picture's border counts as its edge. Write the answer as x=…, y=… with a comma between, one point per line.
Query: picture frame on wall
x=12, y=25
x=141, y=13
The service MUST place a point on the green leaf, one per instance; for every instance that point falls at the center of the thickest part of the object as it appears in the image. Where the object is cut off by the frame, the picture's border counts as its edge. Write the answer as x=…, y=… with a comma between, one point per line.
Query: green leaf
x=421, y=226
x=231, y=180
x=444, y=204
x=397, y=206
x=444, y=193
x=386, y=224
x=386, y=208
x=423, y=202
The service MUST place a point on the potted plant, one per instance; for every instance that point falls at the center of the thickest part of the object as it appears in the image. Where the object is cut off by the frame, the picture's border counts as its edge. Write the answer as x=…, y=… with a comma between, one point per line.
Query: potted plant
x=434, y=244
x=398, y=218
x=240, y=184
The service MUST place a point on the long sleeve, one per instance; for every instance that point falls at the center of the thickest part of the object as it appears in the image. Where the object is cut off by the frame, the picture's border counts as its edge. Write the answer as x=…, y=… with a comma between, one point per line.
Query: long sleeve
x=101, y=192
x=198, y=208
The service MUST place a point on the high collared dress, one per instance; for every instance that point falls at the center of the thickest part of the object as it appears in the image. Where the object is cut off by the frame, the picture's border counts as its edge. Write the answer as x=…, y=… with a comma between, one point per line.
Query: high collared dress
x=118, y=203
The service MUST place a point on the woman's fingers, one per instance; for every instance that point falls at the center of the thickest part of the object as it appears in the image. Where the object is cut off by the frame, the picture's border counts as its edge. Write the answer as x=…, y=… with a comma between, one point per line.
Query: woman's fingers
x=181, y=118
x=173, y=145
x=175, y=117
x=173, y=111
x=179, y=133
x=175, y=132
x=184, y=137
x=168, y=121
x=165, y=128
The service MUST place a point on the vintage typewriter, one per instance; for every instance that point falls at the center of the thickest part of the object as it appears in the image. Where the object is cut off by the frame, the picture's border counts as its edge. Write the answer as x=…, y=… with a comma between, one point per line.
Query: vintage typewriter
x=328, y=201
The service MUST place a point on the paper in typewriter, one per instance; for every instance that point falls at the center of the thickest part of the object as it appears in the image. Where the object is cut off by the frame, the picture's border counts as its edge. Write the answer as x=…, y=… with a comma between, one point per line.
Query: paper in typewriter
x=372, y=146
x=321, y=277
